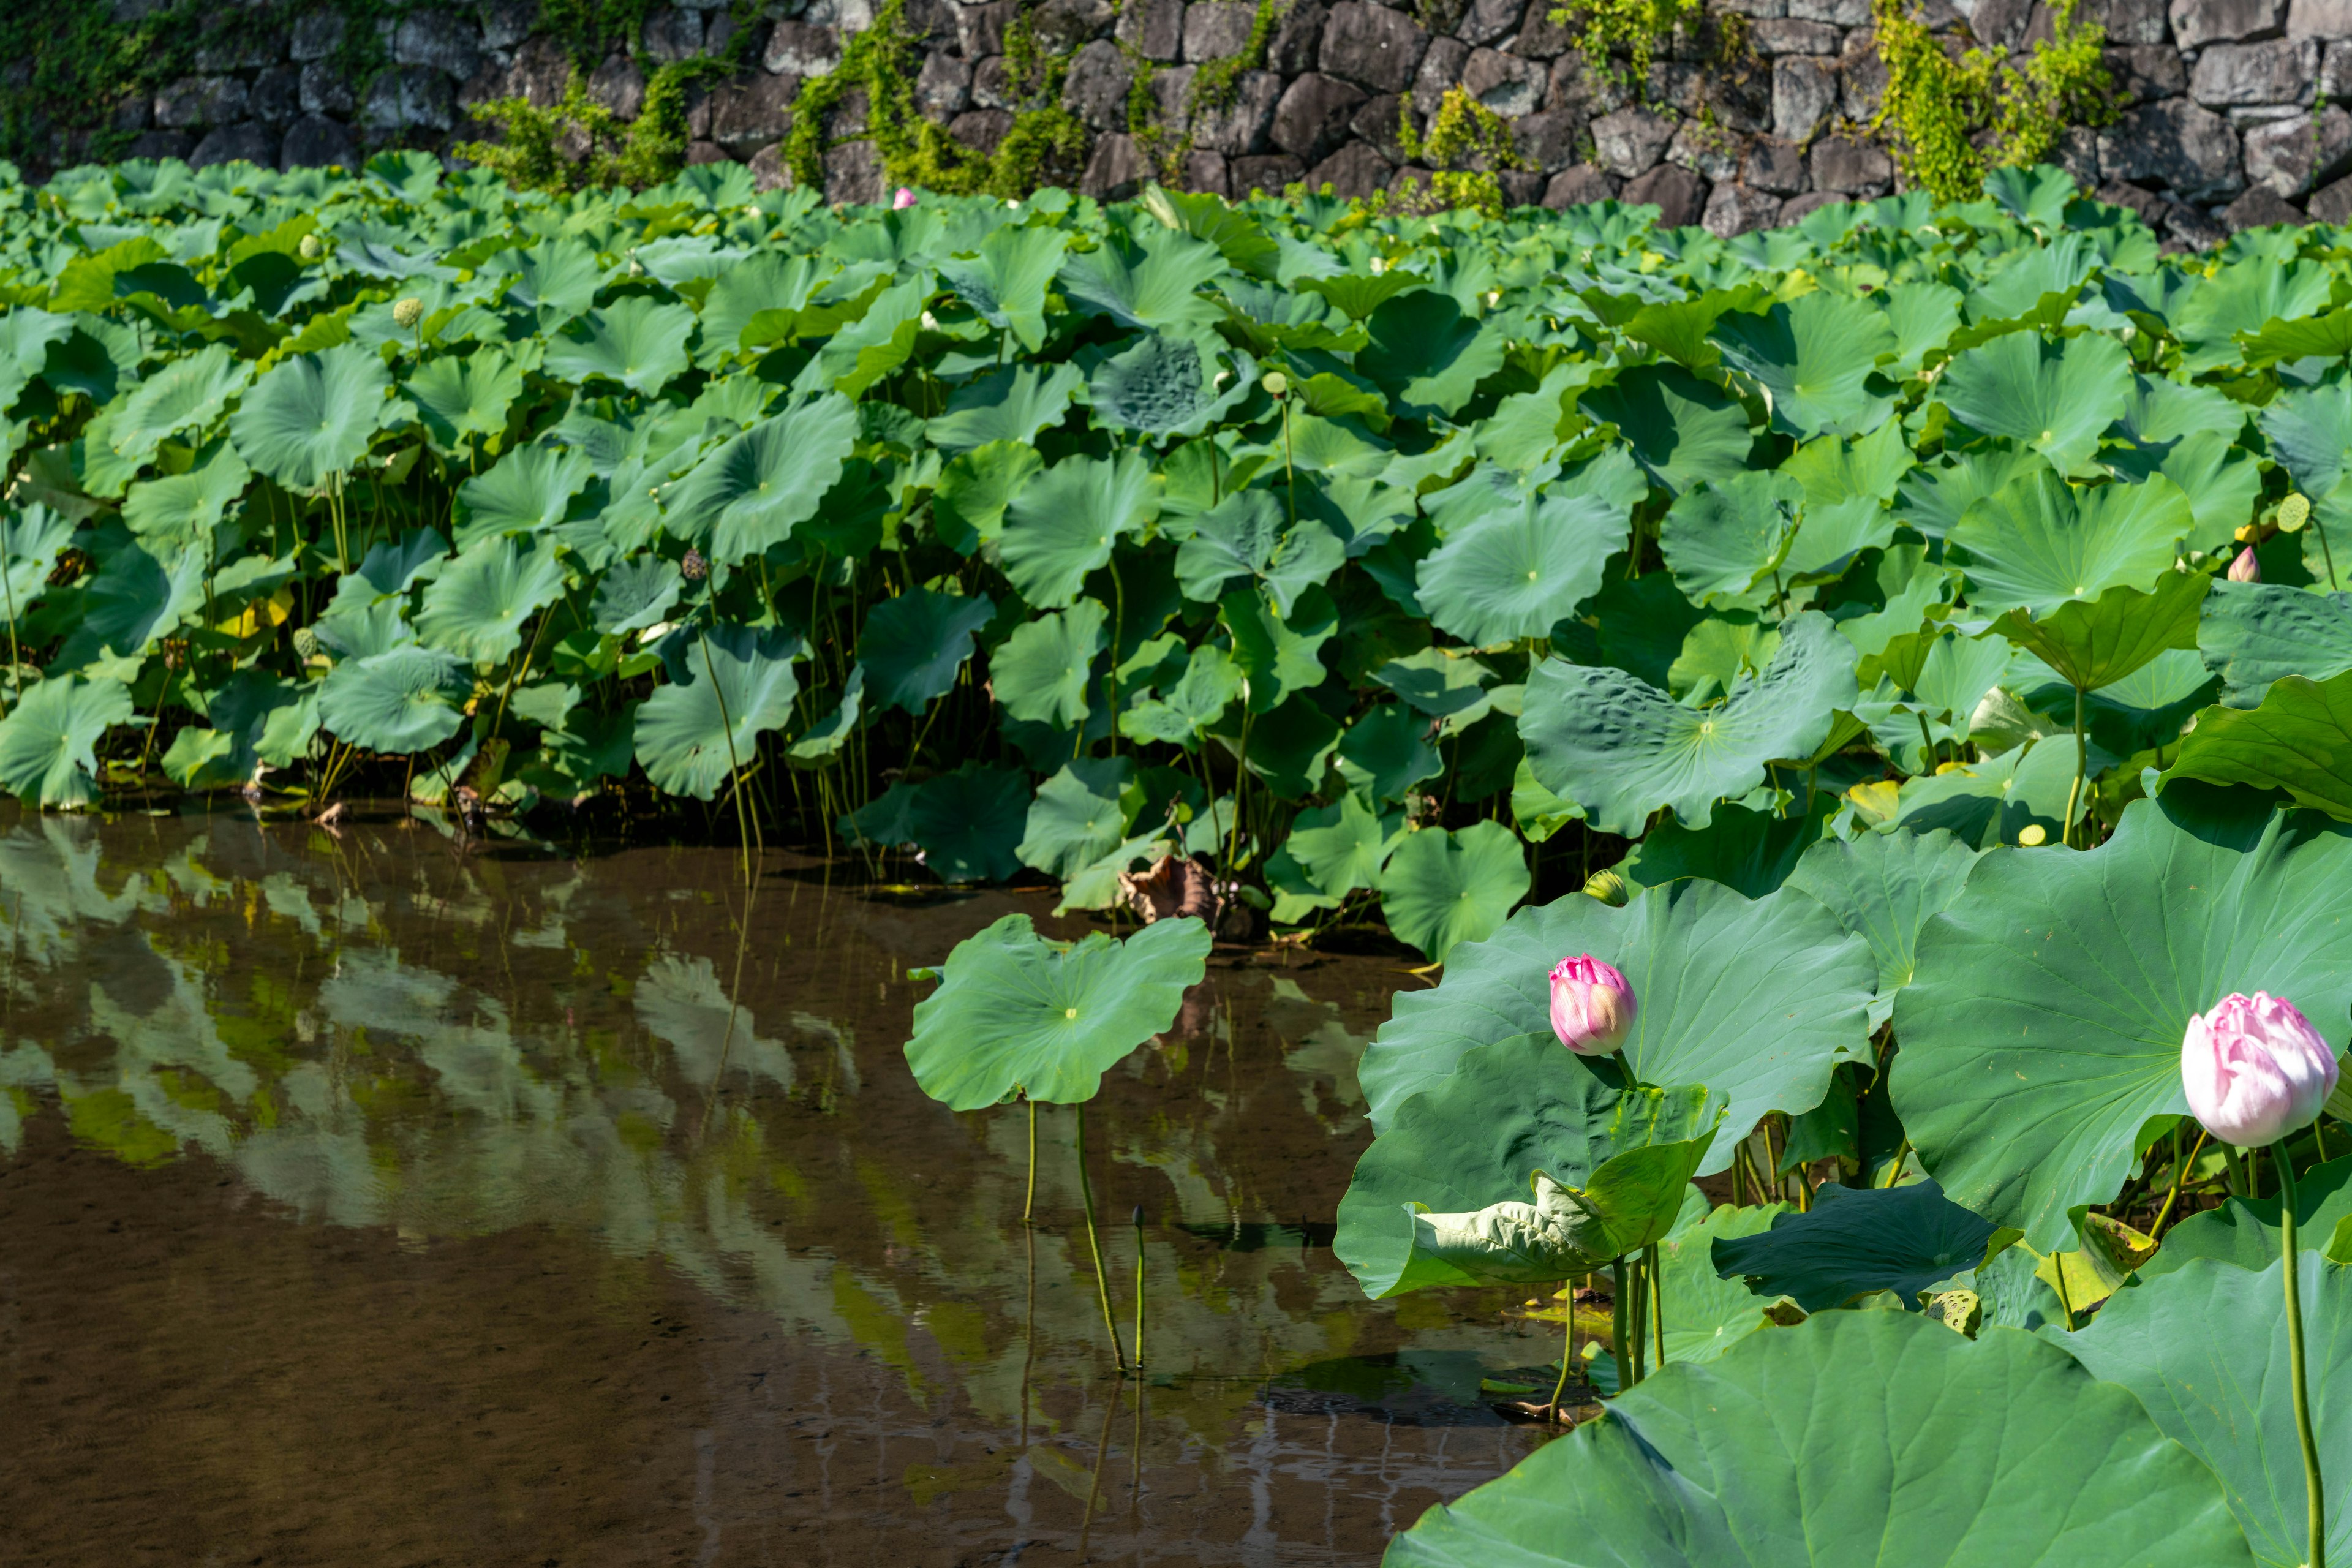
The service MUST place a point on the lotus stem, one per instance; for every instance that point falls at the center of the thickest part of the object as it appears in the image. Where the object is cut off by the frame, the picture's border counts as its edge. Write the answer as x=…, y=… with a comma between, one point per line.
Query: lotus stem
x=1094, y=1247
x=1639, y=1311
x=1566, y=1346
x=734, y=764
x=2315, y=1491
x=1029, y=1203
x=2330, y=555
x=2082, y=766
x=1618, y=1289
x=1894, y=1168
x=2180, y=1171
x=1658, y=1299
x=1138, y=1291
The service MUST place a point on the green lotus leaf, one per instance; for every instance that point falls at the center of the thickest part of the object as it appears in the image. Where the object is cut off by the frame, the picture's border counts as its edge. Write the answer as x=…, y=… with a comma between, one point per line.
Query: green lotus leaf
x=1158, y=386
x=1339, y=848
x=1387, y=751
x=2327, y=335
x=2246, y=1233
x=635, y=596
x=1015, y=1013
x=1522, y=566
x=760, y=295
x=1760, y=999
x=2054, y=398
x=748, y=494
x=1291, y=747
x=968, y=507
x=1632, y=1203
x=400, y=701
x=308, y=418
x=692, y=735
x=2097, y=643
x=1864, y=1439
x=477, y=608
x=140, y=596
x=2310, y=432
x=2299, y=741
x=1480, y=1134
x=1428, y=355
x=2041, y=542
x=1885, y=887
x=913, y=645
x=1040, y=672
x=183, y=509
x=1006, y=282
x=1724, y=540
x=526, y=491
x=1680, y=428
x=2033, y=285
x=1813, y=356
x=1992, y=800
x=1440, y=682
x=1751, y=851
x=636, y=340
x=1706, y=1314
x=1905, y=1240
x=48, y=755
x=557, y=279
x=970, y=822
x=1152, y=281
x=1008, y=405
x=255, y=717
x=186, y=393
x=1443, y=888
x=2205, y=1350
x=1358, y=294
x=1244, y=536
x=820, y=742
x=1623, y=749
x=2253, y=634
x=1182, y=713
x=30, y=542
x=1846, y=486
x=2059, y=985
x=2241, y=298
x=1933, y=498
x=1062, y=525
x=1076, y=818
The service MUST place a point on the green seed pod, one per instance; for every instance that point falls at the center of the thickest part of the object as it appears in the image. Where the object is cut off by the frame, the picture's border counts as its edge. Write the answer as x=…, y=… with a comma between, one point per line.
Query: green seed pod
x=2293, y=513
x=310, y=249
x=1277, y=385
x=408, y=312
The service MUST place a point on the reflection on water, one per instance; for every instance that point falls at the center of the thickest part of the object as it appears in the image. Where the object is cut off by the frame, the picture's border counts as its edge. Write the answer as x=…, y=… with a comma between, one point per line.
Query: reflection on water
x=371, y=1199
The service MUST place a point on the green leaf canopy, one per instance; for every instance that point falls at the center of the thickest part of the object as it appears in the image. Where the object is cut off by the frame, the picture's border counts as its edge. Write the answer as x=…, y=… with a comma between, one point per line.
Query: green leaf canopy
x=2299, y=741
x=1813, y=356
x=1884, y=887
x=2054, y=398
x=693, y=734
x=1854, y=1241
x=912, y=646
x=2041, y=542
x=477, y=608
x=2254, y=633
x=1443, y=889
x=1525, y=565
x=48, y=755
x=750, y=493
x=399, y=701
x=1061, y=526
x=308, y=418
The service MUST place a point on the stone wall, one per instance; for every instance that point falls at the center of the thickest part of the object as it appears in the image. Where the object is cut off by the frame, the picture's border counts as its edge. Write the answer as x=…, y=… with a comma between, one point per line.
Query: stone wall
x=1753, y=118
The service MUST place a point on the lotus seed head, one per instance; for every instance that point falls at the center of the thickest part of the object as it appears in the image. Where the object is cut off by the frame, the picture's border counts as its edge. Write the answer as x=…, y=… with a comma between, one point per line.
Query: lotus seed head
x=695, y=567
x=310, y=249
x=2294, y=512
x=1277, y=385
x=1069, y=1012
x=2033, y=834
x=408, y=311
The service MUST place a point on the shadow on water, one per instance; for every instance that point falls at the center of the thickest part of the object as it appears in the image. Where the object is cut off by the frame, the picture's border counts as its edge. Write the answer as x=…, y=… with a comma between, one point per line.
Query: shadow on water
x=374, y=1198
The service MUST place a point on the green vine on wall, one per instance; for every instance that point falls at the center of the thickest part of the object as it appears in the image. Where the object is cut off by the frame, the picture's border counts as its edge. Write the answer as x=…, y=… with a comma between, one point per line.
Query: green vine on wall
x=1606, y=30
x=1467, y=148
x=1954, y=120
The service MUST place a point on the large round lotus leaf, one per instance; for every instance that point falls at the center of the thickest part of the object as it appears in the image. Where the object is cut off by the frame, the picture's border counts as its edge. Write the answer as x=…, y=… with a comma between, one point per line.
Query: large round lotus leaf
x=2253, y=633
x=1623, y=749
x=1526, y=564
x=180, y=509
x=1846, y=486
x=1181, y=713
x=749, y=494
x=1706, y=1314
x=2244, y=297
x=308, y=418
x=47, y=755
x=2299, y=741
x=1076, y=818
x=1724, y=541
x=1290, y=746
x=1017, y=1013
x=2041, y=542
x=526, y=491
x=2097, y=643
x=556, y=278
x=1443, y=888
x=1040, y=673
x=1245, y=536
x=2246, y=1231
x=1884, y=887
x=637, y=340
x=477, y=608
x=1158, y=386
x=2041, y=1033
x=1006, y=282
x=693, y=734
x=458, y=398
x=1387, y=751
x=2205, y=1349
x=2310, y=432
x=1340, y=847
x=2221, y=479
x=2056, y=398
x=1759, y=999
x=1476, y=1136
x=1751, y=851
x=1427, y=354
x=1858, y=1240
x=1062, y=525
x=912, y=646
x=1681, y=428
x=1814, y=357
x=402, y=700
x=185, y=393
x=1007, y=405
x=969, y=824
x=1152, y=281
x=1852, y=1440
x=636, y=595
x=30, y=542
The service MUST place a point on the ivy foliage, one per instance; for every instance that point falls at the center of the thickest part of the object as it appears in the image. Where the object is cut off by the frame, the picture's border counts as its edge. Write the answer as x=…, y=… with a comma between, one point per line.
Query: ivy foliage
x=1957, y=118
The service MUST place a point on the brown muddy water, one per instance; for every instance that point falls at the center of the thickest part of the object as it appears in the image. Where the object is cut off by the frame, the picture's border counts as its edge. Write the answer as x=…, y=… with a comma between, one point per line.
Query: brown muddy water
x=383, y=1199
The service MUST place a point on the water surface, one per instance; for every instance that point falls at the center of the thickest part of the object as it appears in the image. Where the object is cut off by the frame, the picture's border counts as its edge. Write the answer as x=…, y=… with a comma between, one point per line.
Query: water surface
x=379, y=1198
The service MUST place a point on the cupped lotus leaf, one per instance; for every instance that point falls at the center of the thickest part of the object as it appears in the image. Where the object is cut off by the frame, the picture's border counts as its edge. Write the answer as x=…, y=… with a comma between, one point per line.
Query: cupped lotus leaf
x=970, y=822
x=1428, y=355
x=1623, y=749
x=1846, y=486
x=1443, y=889
x=2241, y=298
x=477, y=608
x=140, y=595
x=526, y=491
x=1725, y=540
x=635, y=596
x=1480, y=1134
x=1751, y=851
x=1386, y=751
x=1632, y=1203
x=2041, y=542
x=186, y=393
x=2299, y=741
x=1341, y=847
x=748, y=494
x=1884, y=887
x=1290, y=746
x=30, y=542
x=2058, y=985
x=1760, y=999
x=968, y=507
x=1182, y=713
x=2036, y=197
x=1158, y=386
x=1244, y=536
x=2251, y=634
x=308, y=418
x=1040, y=672
x=1015, y=1013
x=1006, y=405
x=1062, y=525
x=464, y=399
x=1680, y=428
x=692, y=735
x=2222, y=481
x=764, y=285
x=1907, y=1239
x=1862, y=1439
x=400, y=701
x=1813, y=356
x=2054, y=398
x=2246, y=1232
x=48, y=755
x=1152, y=281
x=393, y=566
x=912, y=646
x=2327, y=335
x=556, y=278
x=2205, y=1347
x=1524, y=564
x=637, y=340
x=1006, y=281
x=1933, y=498
x=1076, y=818
x=2096, y=642
x=181, y=509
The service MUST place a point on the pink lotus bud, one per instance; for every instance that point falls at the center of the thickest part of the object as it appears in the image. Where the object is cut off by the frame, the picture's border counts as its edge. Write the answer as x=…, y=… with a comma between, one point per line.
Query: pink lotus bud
x=2254, y=1070
x=2245, y=568
x=905, y=199
x=1592, y=1007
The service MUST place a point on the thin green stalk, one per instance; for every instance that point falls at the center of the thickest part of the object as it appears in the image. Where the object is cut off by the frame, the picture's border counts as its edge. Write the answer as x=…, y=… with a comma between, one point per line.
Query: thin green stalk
x=1658, y=1299
x=1138, y=1287
x=1618, y=1289
x=734, y=764
x=2315, y=1491
x=16, y=656
x=1566, y=1346
x=2330, y=554
x=2180, y=1171
x=2082, y=767
x=1094, y=1247
x=1029, y=1204
x=1895, y=1170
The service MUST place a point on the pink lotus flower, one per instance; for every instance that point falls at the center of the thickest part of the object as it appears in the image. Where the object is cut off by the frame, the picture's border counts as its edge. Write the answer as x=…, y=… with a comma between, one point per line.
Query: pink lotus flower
x=2245, y=568
x=1592, y=1006
x=2254, y=1070
x=905, y=199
